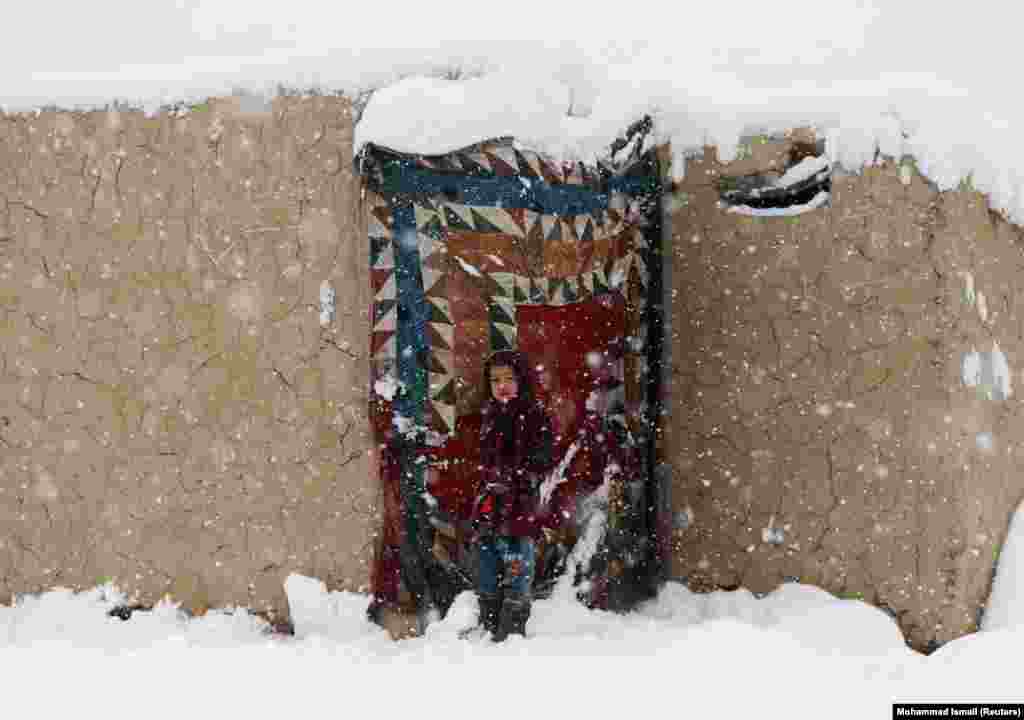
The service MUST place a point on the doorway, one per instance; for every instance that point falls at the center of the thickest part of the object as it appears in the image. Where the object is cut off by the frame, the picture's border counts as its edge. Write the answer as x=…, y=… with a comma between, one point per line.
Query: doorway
x=493, y=248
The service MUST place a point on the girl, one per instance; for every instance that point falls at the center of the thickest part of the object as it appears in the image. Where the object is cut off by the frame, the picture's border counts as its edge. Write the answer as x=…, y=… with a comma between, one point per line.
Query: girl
x=516, y=451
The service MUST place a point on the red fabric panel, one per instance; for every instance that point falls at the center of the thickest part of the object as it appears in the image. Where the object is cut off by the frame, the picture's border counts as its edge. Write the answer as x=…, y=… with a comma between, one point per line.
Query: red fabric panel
x=455, y=469
x=560, y=338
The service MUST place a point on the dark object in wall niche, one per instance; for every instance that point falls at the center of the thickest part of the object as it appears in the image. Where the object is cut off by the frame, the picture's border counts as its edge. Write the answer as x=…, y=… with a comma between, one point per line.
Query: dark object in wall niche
x=768, y=190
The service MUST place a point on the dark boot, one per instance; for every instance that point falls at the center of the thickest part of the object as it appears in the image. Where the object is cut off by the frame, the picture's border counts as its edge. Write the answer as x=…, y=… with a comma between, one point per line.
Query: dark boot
x=512, y=620
x=489, y=610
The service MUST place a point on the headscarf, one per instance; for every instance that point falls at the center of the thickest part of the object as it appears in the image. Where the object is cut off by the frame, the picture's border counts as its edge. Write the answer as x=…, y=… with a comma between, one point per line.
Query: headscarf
x=499, y=418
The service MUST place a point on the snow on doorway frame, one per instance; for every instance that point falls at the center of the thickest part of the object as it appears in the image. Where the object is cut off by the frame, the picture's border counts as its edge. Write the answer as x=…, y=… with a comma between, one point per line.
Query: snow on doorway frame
x=413, y=204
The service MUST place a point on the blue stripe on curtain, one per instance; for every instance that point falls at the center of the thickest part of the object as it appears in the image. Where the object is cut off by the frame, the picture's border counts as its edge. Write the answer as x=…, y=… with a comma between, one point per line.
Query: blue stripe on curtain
x=510, y=192
x=413, y=313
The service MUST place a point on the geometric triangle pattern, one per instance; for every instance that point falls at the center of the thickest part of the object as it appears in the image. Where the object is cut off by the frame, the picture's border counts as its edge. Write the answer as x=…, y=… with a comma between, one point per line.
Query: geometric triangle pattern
x=559, y=259
x=464, y=239
x=384, y=313
x=504, y=290
x=495, y=158
x=507, y=290
x=437, y=213
x=433, y=249
x=502, y=322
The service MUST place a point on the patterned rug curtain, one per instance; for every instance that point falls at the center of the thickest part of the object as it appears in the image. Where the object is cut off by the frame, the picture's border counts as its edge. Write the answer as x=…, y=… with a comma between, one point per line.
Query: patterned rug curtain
x=494, y=247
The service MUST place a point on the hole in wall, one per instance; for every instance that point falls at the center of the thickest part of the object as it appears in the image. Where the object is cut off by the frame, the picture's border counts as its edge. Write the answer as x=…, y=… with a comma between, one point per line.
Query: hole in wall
x=803, y=184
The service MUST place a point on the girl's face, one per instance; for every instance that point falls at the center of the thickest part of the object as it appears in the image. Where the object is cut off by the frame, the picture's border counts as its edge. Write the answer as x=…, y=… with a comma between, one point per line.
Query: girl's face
x=545, y=378
x=504, y=385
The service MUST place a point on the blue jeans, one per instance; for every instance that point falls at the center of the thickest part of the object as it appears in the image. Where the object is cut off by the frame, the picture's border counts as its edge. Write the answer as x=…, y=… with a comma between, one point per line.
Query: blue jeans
x=510, y=557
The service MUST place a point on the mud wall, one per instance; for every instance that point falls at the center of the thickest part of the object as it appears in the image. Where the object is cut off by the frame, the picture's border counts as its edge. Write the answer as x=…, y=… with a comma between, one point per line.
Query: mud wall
x=829, y=422
x=174, y=415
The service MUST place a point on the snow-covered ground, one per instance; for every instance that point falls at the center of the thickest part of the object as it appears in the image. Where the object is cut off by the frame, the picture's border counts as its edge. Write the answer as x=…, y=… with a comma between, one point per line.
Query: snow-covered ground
x=1005, y=608
x=796, y=653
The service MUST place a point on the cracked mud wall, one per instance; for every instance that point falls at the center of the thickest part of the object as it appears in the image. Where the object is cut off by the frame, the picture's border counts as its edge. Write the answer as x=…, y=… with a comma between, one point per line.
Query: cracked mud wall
x=173, y=415
x=821, y=428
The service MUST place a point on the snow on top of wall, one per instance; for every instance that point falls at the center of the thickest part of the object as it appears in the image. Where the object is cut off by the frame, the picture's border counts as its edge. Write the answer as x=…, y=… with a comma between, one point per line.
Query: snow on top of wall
x=895, y=77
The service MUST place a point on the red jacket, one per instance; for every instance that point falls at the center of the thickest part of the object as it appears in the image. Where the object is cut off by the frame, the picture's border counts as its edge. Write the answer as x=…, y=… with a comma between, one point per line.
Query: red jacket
x=516, y=453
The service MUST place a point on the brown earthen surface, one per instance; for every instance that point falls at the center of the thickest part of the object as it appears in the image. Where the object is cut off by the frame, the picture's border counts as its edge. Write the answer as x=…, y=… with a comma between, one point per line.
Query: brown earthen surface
x=820, y=427
x=173, y=416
